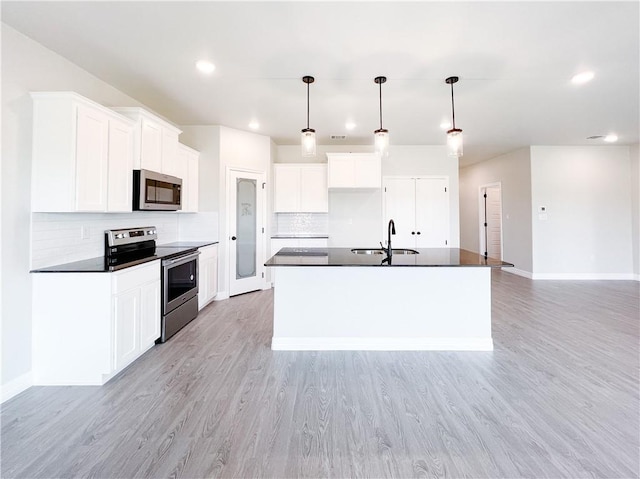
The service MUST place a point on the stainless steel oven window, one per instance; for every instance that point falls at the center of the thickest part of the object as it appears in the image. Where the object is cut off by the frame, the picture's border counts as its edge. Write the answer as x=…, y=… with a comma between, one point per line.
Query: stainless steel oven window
x=180, y=280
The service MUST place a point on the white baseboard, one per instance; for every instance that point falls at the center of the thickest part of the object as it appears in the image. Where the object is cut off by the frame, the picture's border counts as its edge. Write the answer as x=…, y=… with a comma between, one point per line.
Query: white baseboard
x=381, y=344
x=585, y=276
x=519, y=272
x=636, y=277
x=221, y=296
x=16, y=386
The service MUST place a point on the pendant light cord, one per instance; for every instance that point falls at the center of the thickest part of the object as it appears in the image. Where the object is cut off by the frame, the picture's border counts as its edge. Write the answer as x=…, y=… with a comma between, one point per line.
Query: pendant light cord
x=380, y=85
x=307, y=106
x=453, y=110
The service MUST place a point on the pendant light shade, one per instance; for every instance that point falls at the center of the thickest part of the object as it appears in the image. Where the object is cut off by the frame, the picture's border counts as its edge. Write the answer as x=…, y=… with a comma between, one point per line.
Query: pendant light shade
x=381, y=135
x=454, y=135
x=308, y=137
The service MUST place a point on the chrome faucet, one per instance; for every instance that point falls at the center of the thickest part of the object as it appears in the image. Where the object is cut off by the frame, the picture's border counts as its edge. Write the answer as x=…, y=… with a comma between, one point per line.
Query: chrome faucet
x=391, y=230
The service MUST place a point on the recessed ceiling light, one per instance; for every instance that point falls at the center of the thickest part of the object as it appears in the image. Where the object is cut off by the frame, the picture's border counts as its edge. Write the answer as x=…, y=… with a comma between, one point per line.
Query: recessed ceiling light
x=581, y=78
x=205, y=67
x=254, y=125
x=611, y=138
x=350, y=125
x=445, y=125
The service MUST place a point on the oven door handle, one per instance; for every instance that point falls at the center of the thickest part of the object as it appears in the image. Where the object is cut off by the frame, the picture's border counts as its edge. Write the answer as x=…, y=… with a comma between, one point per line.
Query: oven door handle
x=181, y=259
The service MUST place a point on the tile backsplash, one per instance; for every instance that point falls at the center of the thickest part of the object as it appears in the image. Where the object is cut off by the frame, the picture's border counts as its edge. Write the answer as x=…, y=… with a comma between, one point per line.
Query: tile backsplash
x=301, y=223
x=58, y=238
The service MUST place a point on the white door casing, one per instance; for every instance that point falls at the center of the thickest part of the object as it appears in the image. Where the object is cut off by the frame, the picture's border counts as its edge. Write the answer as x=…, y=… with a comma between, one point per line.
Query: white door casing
x=245, y=217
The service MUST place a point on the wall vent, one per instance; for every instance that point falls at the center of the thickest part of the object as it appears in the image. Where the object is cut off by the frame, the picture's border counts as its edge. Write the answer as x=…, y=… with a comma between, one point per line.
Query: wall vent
x=338, y=137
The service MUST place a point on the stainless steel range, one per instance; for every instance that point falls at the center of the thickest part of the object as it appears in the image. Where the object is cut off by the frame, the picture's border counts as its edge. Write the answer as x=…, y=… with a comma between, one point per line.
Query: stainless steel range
x=131, y=246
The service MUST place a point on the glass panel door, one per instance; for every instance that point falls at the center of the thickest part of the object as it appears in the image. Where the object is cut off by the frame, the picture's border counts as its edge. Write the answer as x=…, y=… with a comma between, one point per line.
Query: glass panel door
x=246, y=192
x=246, y=227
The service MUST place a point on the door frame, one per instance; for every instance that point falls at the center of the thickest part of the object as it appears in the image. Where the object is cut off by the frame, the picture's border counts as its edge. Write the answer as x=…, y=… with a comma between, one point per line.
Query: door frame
x=482, y=247
x=260, y=242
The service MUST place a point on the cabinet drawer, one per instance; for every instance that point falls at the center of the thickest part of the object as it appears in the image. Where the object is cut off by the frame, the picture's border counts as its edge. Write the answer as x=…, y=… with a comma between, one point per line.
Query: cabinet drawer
x=135, y=276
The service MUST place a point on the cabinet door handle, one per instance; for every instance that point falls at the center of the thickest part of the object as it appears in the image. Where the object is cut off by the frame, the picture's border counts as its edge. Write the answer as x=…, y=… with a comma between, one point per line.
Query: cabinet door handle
x=418, y=232
x=413, y=232
x=233, y=238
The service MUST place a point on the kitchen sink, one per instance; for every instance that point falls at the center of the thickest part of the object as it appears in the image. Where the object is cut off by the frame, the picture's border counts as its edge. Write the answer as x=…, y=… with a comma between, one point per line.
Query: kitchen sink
x=367, y=251
x=381, y=251
x=404, y=251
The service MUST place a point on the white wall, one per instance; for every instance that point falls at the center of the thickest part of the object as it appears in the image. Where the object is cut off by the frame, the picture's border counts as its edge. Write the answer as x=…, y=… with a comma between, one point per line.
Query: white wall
x=28, y=66
x=355, y=217
x=587, y=195
x=513, y=171
x=634, y=153
x=222, y=148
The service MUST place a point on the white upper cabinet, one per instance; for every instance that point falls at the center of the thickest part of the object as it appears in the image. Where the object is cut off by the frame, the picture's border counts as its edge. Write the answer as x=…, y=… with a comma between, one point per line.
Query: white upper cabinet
x=155, y=144
x=188, y=170
x=314, y=196
x=300, y=188
x=170, y=165
x=354, y=170
x=82, y=157
x=150, y=147
x=120, y=165
x=92, y=133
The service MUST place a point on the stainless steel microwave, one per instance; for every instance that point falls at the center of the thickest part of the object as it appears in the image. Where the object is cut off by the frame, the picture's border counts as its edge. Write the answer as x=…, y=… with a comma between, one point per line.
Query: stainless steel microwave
x=155, y=191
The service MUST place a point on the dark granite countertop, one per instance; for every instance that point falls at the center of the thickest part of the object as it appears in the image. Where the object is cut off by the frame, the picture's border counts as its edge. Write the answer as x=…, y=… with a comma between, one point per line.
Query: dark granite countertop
x=99, y=265
x=426, y=257
x=92, y=265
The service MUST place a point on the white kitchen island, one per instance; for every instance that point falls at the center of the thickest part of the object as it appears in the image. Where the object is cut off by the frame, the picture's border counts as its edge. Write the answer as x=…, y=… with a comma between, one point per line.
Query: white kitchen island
x=333, y=299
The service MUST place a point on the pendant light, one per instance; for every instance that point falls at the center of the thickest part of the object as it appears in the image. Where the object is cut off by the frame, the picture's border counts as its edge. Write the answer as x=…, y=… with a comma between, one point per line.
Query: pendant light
x=381, y=136
x=308, y=139
x=454, y=135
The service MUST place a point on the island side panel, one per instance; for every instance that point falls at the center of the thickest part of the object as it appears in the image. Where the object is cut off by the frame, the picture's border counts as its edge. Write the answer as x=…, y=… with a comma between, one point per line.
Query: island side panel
x=381, y=308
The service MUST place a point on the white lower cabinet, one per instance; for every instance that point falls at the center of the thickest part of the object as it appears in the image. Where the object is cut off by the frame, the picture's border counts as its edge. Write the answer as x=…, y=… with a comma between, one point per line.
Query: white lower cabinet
x=207, y=275
x=87, y=327
x=127, y=324
x=150, y=312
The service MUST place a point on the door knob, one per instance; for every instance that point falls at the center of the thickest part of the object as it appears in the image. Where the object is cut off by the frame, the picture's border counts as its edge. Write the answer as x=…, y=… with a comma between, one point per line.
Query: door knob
x=233, y=238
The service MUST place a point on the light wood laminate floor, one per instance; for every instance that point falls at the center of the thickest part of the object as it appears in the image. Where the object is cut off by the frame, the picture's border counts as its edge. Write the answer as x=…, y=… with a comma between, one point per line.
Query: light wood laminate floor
x=558, y=397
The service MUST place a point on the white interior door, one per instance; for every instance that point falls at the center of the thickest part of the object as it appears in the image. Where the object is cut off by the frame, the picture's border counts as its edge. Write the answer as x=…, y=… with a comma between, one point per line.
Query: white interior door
x=432, y=212
x=492, y=198
x=399, y=206
x=246, y=230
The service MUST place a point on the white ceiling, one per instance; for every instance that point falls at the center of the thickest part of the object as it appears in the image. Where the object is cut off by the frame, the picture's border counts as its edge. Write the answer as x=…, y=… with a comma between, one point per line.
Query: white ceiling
x=514, y=60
